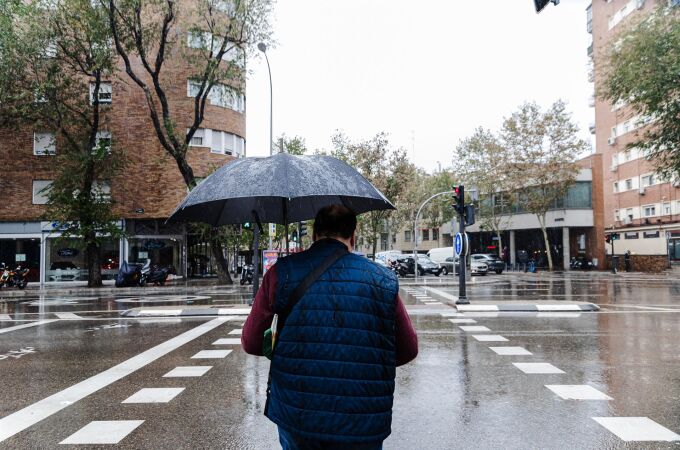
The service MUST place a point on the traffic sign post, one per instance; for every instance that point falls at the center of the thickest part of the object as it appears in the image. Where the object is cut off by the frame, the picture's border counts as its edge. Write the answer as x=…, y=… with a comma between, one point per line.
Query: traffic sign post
x=460, y=244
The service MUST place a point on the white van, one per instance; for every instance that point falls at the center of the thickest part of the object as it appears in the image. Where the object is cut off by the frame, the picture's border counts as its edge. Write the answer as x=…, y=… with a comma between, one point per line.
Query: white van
x=439, y=255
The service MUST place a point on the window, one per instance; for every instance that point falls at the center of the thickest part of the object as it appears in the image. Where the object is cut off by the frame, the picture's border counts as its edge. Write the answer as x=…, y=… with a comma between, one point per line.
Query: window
x=198, y=39
x=407, y=236
x=102, y=190
x=193, y=88
x=197, y=138
x=224, y=96
x=44, y=144
x=666, y=208
x=41, y=191
x=617, y=215
x=104, y=92
x=650, y=234
x=631, y=235
x=629, y=184
x=50, y=50
x=629, y=213
x=649, y=210
x=435, y=234
x=647, y=180
x=103, y=139
x=226, y=6
x=426, y=234
x=616, y=186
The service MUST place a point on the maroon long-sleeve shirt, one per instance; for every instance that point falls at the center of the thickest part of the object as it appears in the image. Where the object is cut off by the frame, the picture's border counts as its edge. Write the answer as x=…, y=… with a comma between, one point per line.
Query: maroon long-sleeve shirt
x=262, y=313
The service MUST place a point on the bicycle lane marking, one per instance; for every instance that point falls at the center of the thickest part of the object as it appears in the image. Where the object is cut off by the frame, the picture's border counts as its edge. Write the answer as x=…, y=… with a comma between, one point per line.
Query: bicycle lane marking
x=32, y=414
x=27, y=325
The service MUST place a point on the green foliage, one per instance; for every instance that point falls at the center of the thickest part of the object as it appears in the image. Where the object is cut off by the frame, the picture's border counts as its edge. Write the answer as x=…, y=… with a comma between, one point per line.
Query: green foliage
x=642, y=69
x=293, y=146
x=386, y=168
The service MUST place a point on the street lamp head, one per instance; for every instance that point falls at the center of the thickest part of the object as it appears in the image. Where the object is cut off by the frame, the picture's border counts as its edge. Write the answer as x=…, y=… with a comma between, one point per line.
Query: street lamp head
x=262, y=47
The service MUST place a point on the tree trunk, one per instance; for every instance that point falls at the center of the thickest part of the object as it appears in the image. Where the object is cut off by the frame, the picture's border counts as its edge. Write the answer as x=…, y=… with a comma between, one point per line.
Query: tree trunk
x=223, y=275
x=541, y=220
x=500, y=244
x=94, y=268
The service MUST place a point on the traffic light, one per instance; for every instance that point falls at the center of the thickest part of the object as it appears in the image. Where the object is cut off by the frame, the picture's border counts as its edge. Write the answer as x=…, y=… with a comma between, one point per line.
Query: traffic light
x=459, y=199
x=615, y=236
x=540, y=4
x=303, y=229
x=608, y=238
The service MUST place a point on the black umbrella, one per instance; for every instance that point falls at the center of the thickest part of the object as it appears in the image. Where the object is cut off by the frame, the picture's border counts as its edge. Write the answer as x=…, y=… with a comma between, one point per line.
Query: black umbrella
x=278, y=189
x=281, y=189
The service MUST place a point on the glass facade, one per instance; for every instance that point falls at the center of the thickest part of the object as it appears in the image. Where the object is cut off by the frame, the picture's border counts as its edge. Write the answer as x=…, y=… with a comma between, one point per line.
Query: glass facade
x=65, y=260
x=164, y=252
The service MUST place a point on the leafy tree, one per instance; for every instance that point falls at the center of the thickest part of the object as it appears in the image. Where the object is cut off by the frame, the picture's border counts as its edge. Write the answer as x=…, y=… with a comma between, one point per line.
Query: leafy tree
x=641, y=70
x=53, y=60
x=386, y=168
x=543, y=147
x=293, y=146
x=146, y=32
x=483, y=163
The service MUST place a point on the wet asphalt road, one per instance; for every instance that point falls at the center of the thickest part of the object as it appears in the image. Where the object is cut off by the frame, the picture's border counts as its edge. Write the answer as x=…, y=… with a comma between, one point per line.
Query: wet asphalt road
x=458, y=394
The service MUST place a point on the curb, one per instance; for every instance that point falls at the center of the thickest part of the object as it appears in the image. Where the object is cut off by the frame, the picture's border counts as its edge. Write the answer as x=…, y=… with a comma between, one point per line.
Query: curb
x=584, y=307
x=7, y=295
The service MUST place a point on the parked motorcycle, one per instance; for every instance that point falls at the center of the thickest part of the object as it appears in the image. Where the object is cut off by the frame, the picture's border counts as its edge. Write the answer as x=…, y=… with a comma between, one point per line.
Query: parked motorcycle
x=156, y=274
x=400, y=269
x=10, y=278
x=581, y=263
x=129, y=275
x=247, y=272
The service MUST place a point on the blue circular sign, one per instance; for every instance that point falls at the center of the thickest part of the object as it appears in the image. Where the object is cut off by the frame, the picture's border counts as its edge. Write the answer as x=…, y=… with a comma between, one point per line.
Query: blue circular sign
x=458, y=244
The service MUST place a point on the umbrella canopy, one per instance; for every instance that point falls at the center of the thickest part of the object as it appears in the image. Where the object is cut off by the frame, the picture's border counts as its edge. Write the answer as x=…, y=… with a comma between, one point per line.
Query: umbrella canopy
x=282, y=189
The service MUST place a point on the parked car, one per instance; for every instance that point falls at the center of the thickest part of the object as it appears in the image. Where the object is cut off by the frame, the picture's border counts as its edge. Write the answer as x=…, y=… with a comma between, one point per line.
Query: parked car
x=63, y=271
x=449, y=265
x=493, y=261
x=425, y=265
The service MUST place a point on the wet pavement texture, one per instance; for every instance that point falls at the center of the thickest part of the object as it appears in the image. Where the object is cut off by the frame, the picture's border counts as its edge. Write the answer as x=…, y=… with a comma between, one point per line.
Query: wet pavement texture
x=468, y=388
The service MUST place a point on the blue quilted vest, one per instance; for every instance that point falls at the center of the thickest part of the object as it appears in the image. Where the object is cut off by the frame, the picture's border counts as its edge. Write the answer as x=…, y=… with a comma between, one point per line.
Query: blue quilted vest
x=332, y=374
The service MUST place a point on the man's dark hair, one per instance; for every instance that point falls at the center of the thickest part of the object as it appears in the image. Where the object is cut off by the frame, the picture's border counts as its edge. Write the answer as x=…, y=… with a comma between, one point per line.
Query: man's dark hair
x=335, y=221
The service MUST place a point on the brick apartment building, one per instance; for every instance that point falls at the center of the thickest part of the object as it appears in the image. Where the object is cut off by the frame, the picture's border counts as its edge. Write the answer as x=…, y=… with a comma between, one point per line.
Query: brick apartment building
x=145, y=192
x=643, y=208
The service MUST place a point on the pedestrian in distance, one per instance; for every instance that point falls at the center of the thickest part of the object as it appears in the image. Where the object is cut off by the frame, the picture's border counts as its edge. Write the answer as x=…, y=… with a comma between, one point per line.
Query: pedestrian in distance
x=626, y=260
x=333, y=365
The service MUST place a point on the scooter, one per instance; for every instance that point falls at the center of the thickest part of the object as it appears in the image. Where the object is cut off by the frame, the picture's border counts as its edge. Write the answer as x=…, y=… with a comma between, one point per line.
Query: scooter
x=581, y=263
x=247, y=274
x=398, y=268
x=10, y=278
x=157, y=275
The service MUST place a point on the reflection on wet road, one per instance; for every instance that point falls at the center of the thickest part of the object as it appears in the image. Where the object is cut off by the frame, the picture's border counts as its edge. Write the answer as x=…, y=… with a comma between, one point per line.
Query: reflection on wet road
x=75, y=372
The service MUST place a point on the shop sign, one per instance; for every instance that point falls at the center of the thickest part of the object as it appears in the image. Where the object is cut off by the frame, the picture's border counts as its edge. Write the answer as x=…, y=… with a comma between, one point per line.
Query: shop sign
x=154, y=245
x=67, y=252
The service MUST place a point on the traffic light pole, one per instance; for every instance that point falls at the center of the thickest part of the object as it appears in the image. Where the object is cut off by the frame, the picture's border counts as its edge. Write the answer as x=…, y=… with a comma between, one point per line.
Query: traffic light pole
x=462, y=259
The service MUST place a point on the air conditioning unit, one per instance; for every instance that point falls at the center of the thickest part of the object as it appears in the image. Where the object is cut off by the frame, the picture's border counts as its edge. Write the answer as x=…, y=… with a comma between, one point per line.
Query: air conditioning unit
x=627, y=220
x=642, y=191
x=611, y=140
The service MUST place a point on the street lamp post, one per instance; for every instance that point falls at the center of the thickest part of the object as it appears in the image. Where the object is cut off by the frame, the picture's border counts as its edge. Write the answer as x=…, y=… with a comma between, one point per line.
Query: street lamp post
x=263, y=48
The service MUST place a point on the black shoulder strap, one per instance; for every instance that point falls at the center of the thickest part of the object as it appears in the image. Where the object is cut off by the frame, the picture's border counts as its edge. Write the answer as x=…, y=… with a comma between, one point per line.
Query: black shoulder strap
x=301, y=288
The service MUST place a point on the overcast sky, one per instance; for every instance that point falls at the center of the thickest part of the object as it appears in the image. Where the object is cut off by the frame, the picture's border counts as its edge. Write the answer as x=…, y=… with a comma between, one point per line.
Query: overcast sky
x=427, y=72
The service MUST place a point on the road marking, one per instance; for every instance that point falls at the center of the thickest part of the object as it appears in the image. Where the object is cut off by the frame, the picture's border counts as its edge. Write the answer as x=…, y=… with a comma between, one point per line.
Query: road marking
x=476, y=308
x=511, y=351
x=154, y=395
x=558, y=307
x=537, y=368
x=233, y=311
x=473, y=328
x=159, y=312
x=26, y=325
x=442, y=294
x=103, y=432
x=637, y=429
x=227, y=341
x=5, y=317
x=489, y=338
x=211, y=354
x=577, y=392
x=452, y=314
x=650, y=308
x=67, y=315
x=32, y=414
x=187, y=371
x=462, y=321
x=237, y=331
